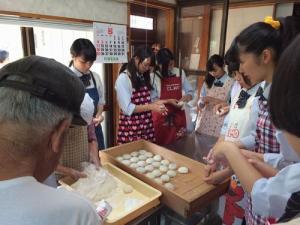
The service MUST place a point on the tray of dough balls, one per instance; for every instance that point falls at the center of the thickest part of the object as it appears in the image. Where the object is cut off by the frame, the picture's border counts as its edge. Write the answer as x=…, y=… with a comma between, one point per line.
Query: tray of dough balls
x=128, y=196
x=179, y=178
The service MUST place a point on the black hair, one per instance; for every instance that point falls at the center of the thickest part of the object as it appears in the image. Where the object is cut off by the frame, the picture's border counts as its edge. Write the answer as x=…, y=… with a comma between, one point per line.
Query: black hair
x=285, y=92
x=232, y=58
x=260, y=36
x=142, y=53
x=164, y=56
x=83, y=48
x=214, y=59
x=233, y=62
x=3, y=55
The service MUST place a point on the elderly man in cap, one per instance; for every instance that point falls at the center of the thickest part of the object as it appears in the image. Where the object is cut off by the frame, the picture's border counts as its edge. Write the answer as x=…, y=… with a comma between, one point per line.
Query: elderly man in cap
x=39, y=97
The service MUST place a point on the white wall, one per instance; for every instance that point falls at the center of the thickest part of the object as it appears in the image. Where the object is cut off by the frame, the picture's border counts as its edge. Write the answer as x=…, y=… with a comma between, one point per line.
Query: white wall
x=110, y=11
x=284, y=9
x=238, y=19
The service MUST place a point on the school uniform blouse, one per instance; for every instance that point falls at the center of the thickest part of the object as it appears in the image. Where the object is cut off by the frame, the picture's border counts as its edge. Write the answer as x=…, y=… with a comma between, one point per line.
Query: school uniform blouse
x=222, y=79
x=249, y=141
x=253, y=114
x=124, y=91
x=271, y=195
x=156, y=84
x=99, y=85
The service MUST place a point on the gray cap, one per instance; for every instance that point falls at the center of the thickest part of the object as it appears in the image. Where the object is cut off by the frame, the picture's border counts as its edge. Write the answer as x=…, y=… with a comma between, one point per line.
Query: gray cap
x=49, y=80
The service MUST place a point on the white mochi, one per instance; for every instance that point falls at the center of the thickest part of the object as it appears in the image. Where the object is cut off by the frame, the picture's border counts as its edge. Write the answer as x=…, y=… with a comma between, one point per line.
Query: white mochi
x=120, y=158
x=134, y=165
x=149, y=154
x=165, y=162
x=171, y=173
x=183, y=169
x=169, y=186
x=134, y=159
x=156, y=173
x=126, y=162
x=156, y=164
x=165, y=178
x=150, y=175
x=163, y=169
x=149, y=161
x=158, y=180
x=157, y=158
x=141, y=163
x=142, y=157
x=141, y=170
x=149, y=168
x=126, y=156
x=172, y=166
x=134, y=154
x=142, y=152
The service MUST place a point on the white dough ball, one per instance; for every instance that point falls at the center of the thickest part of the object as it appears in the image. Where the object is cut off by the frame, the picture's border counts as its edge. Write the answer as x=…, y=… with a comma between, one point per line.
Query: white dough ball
x=169, y=186
x=165, y=178
x=163, y=169
x=156, y=164
x=149, y=154
x=183, y=169
x=134, y=159
x=165, y=162
x=158, y=180
x=172, y=166
x=150, y=175
x=149, y=168
x=156, y=173
x=134, y=154
x=141, y=163
x=127, y=189
x=126, y=156
x=126, y=162
x=171, y=173
x=149, y=161
x=142, y=157
x=141, y=170
x=157, y=158
x=134, y=165
x=142, y=152
x=120, y=158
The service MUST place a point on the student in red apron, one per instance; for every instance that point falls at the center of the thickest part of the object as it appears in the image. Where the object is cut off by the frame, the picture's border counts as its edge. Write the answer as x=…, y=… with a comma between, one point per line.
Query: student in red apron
x=168, y=85
x=133, y=93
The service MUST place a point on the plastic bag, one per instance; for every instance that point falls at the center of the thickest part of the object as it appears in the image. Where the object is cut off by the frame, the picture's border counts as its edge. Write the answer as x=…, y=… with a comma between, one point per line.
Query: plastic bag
x=98, y=184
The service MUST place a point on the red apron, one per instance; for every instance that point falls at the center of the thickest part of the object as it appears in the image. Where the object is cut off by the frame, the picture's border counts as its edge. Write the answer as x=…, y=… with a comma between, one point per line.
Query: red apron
x=168, y=128
x=138, y=125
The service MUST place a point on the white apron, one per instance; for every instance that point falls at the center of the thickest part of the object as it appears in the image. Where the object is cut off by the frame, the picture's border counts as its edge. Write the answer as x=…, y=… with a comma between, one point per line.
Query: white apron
x=232, y=205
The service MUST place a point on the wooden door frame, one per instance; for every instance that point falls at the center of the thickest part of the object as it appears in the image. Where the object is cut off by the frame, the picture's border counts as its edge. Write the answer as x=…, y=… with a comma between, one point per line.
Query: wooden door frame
x=169, y=43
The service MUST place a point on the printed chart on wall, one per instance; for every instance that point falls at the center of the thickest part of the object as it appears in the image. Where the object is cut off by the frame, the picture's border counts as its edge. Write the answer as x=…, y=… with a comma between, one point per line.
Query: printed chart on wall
x=110, y=43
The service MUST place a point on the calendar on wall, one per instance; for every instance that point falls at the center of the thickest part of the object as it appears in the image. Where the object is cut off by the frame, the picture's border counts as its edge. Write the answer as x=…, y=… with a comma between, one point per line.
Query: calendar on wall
x=110, y=43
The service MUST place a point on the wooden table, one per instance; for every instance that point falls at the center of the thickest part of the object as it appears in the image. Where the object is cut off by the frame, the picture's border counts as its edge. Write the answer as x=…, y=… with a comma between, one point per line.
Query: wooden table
x=193, y=145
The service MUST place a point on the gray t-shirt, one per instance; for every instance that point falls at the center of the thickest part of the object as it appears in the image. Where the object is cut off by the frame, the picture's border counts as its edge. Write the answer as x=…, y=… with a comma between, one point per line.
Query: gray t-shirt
x=28, y=202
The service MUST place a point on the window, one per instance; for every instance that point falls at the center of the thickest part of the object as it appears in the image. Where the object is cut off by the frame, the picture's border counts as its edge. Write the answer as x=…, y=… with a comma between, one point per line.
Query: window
x=10, y=40
x=141, y=22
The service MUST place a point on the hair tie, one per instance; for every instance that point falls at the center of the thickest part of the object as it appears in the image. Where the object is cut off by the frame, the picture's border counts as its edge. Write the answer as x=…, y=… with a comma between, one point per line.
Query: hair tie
x=274, y=23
